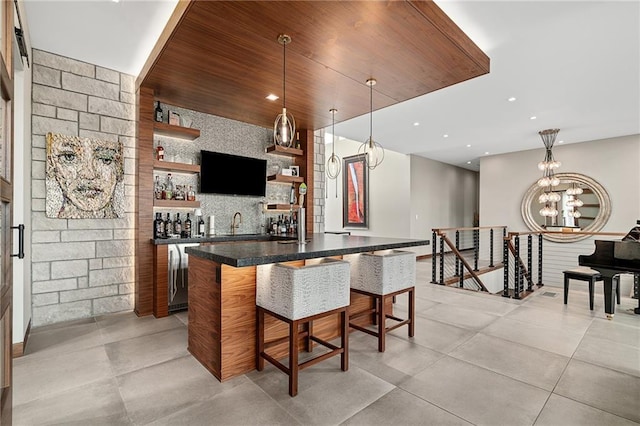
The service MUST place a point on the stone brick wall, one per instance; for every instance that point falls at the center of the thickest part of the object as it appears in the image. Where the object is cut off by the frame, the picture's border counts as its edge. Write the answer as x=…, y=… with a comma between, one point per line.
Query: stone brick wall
x=80, y=267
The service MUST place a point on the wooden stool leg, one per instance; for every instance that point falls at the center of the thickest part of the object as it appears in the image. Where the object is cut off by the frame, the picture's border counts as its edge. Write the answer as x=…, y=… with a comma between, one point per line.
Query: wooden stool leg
x=344, y=338
x=591, y=281
x=308, y=342
x=382, y=324
x=412, y=312
x=259, y=338
x=293, y=358
x=566, y=289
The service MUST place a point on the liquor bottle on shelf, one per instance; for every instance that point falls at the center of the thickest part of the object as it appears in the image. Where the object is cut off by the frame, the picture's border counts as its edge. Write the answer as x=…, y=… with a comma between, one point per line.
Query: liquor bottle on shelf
x=297, y=142
x=201, y=227
x=191, y=194
x=159, y=114
x=158, y=226
x=177, y=225
x=168, y=188
x=157, y=189
x=186, y=232
x=168, y=226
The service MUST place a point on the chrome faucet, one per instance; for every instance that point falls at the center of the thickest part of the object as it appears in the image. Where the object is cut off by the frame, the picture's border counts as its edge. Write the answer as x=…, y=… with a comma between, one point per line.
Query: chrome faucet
x=235, y=225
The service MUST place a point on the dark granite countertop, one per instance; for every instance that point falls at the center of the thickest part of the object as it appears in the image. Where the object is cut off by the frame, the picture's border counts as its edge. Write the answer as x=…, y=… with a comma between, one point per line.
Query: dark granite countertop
x=318, y=245
x=223, y=238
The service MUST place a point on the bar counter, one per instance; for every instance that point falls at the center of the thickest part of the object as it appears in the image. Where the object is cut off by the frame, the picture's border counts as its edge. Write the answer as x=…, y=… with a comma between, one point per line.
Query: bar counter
x=222, y=295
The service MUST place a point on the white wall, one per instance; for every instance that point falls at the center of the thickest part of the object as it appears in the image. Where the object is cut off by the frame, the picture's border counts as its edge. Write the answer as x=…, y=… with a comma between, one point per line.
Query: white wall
x=22, y=188
x=408, y=196
x=614, y=163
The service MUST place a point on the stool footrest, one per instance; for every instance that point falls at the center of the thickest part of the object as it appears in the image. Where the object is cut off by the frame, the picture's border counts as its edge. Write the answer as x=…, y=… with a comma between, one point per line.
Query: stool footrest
x=400, y=324
x=319, y=358
x=364, y=330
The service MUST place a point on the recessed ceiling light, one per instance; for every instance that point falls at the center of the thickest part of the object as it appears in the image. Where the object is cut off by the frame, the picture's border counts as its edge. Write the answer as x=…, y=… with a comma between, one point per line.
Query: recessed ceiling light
x=533, y=117
x=511, y=99
x=469, y=146
x=445, y=136
x=272, y=97
x=560, y=141
x=486, y=153
x=416, y=124
x=468, y=162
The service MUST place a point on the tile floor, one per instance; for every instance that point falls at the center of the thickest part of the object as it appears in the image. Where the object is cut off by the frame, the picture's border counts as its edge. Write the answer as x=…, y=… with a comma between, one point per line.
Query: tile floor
x=475, y=359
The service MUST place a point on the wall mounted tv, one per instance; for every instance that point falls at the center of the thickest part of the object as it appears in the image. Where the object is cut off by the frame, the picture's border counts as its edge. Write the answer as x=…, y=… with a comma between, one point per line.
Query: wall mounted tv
x=232, y=174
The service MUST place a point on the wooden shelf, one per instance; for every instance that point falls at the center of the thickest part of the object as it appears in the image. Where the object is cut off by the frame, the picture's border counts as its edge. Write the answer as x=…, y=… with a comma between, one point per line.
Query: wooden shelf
x=164, y=129
x=176, y=204
x=281, y=207
x=281, y=150
x=285, y=179
x=176, y=167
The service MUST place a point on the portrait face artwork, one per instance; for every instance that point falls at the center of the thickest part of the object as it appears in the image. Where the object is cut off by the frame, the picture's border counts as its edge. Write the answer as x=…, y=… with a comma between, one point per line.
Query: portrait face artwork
x=84, y=178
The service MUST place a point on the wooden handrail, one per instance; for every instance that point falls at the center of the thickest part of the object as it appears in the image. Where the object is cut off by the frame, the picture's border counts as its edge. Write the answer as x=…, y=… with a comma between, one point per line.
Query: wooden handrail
x=464, y=262
x=518, y=259
x=510, y=235
x=476, y=228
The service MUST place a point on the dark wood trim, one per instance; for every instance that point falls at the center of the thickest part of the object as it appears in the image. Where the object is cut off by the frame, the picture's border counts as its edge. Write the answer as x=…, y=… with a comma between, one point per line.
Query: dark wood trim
x=144, y=203
x=161, y=281
x=180, y=132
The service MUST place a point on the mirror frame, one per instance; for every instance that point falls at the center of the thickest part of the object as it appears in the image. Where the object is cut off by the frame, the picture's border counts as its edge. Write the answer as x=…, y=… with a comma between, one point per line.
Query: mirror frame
x=531, y=196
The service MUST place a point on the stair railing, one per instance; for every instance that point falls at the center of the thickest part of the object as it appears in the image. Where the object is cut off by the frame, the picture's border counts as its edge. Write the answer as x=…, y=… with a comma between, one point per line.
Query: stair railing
x=513, y=253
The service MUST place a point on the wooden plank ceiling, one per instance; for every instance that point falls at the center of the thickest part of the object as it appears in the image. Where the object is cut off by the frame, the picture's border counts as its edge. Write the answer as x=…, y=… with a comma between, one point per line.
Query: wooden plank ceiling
x=223, y=57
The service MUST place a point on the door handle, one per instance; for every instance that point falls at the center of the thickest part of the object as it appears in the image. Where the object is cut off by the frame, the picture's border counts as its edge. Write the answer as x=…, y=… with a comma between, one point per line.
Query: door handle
x=20, y=254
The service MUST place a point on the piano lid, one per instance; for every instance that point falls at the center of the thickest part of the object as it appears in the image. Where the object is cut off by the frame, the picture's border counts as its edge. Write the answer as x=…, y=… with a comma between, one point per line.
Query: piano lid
x=634, y=234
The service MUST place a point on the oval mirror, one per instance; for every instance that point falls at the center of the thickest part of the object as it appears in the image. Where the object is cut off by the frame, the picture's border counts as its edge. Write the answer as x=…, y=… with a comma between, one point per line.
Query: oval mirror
x=582, y=204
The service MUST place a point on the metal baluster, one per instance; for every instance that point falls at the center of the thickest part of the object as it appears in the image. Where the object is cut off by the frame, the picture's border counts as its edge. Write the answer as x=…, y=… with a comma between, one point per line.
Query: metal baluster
x=457, y=267
x=540, y=260
x=491, y=248
x=434, y=257
x=476, y=248
x=517, y=272
x=441, y=261
x=505, y=255
x=529, y=261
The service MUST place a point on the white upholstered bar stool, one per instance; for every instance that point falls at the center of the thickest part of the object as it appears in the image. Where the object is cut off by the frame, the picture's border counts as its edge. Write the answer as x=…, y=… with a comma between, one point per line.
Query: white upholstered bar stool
x=384, y=275
x=297, y=296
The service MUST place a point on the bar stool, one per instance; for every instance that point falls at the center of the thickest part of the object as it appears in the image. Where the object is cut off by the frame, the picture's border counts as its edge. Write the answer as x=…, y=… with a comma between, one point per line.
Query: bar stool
x=383, y=276
x=297, y=296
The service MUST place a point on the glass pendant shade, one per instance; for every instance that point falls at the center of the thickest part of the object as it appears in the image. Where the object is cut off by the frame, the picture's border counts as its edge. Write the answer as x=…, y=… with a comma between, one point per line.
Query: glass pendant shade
x=285, y=125
x=549, y=164
x=548, y=211
x=333, y=163
x=371, y=150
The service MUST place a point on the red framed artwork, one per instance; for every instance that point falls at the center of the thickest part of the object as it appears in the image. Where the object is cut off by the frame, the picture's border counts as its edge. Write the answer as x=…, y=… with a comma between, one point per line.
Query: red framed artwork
x=355, y=198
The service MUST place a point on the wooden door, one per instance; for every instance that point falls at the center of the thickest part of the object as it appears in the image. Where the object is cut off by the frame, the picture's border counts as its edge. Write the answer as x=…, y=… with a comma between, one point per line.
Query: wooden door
x=6, y=198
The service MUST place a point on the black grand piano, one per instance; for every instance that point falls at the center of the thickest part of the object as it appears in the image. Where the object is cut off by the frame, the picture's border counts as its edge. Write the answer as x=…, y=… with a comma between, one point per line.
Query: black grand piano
x=612, y=258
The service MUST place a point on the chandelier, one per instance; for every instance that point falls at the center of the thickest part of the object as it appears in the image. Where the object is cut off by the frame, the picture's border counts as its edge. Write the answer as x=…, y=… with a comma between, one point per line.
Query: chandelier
x=574, y=202
x=549, y=180
x=285, y=125
x=372, y=151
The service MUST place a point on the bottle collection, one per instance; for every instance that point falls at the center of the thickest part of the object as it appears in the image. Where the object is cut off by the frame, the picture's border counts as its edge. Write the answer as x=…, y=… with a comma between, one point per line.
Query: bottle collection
x=176, y=228
x=283, y=224
x=169, y=191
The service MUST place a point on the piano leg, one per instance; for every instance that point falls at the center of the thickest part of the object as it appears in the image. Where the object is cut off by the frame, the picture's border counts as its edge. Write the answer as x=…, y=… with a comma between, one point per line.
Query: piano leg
x=610, y=286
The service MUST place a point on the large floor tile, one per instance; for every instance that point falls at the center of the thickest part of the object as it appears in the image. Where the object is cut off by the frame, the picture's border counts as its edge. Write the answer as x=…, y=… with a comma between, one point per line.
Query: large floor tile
x=616, y=331
x=124, y=326
x=245, y=404
x=557, y=340
x=553, y=319
x=163, y=389
x=606, y=353
x=436, y=335
x=602, y=388
x=139, y=352
x=399, y=407
x=73, y=337
x=533, y=366
x=96, y=403
x=39, y=377
x=460, y=316
x=477, y=395
x=326, y=395
x=401, y=360
x=566, y=412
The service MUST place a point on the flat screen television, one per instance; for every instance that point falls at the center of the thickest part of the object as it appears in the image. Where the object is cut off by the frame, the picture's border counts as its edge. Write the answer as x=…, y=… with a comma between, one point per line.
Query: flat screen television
x=232, y=174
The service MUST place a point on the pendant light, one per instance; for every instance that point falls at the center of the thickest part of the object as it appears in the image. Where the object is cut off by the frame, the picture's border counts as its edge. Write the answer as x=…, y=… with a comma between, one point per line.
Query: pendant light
x=285, y=125
x=372, y=151
x=549, y=180
x=333, y=163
